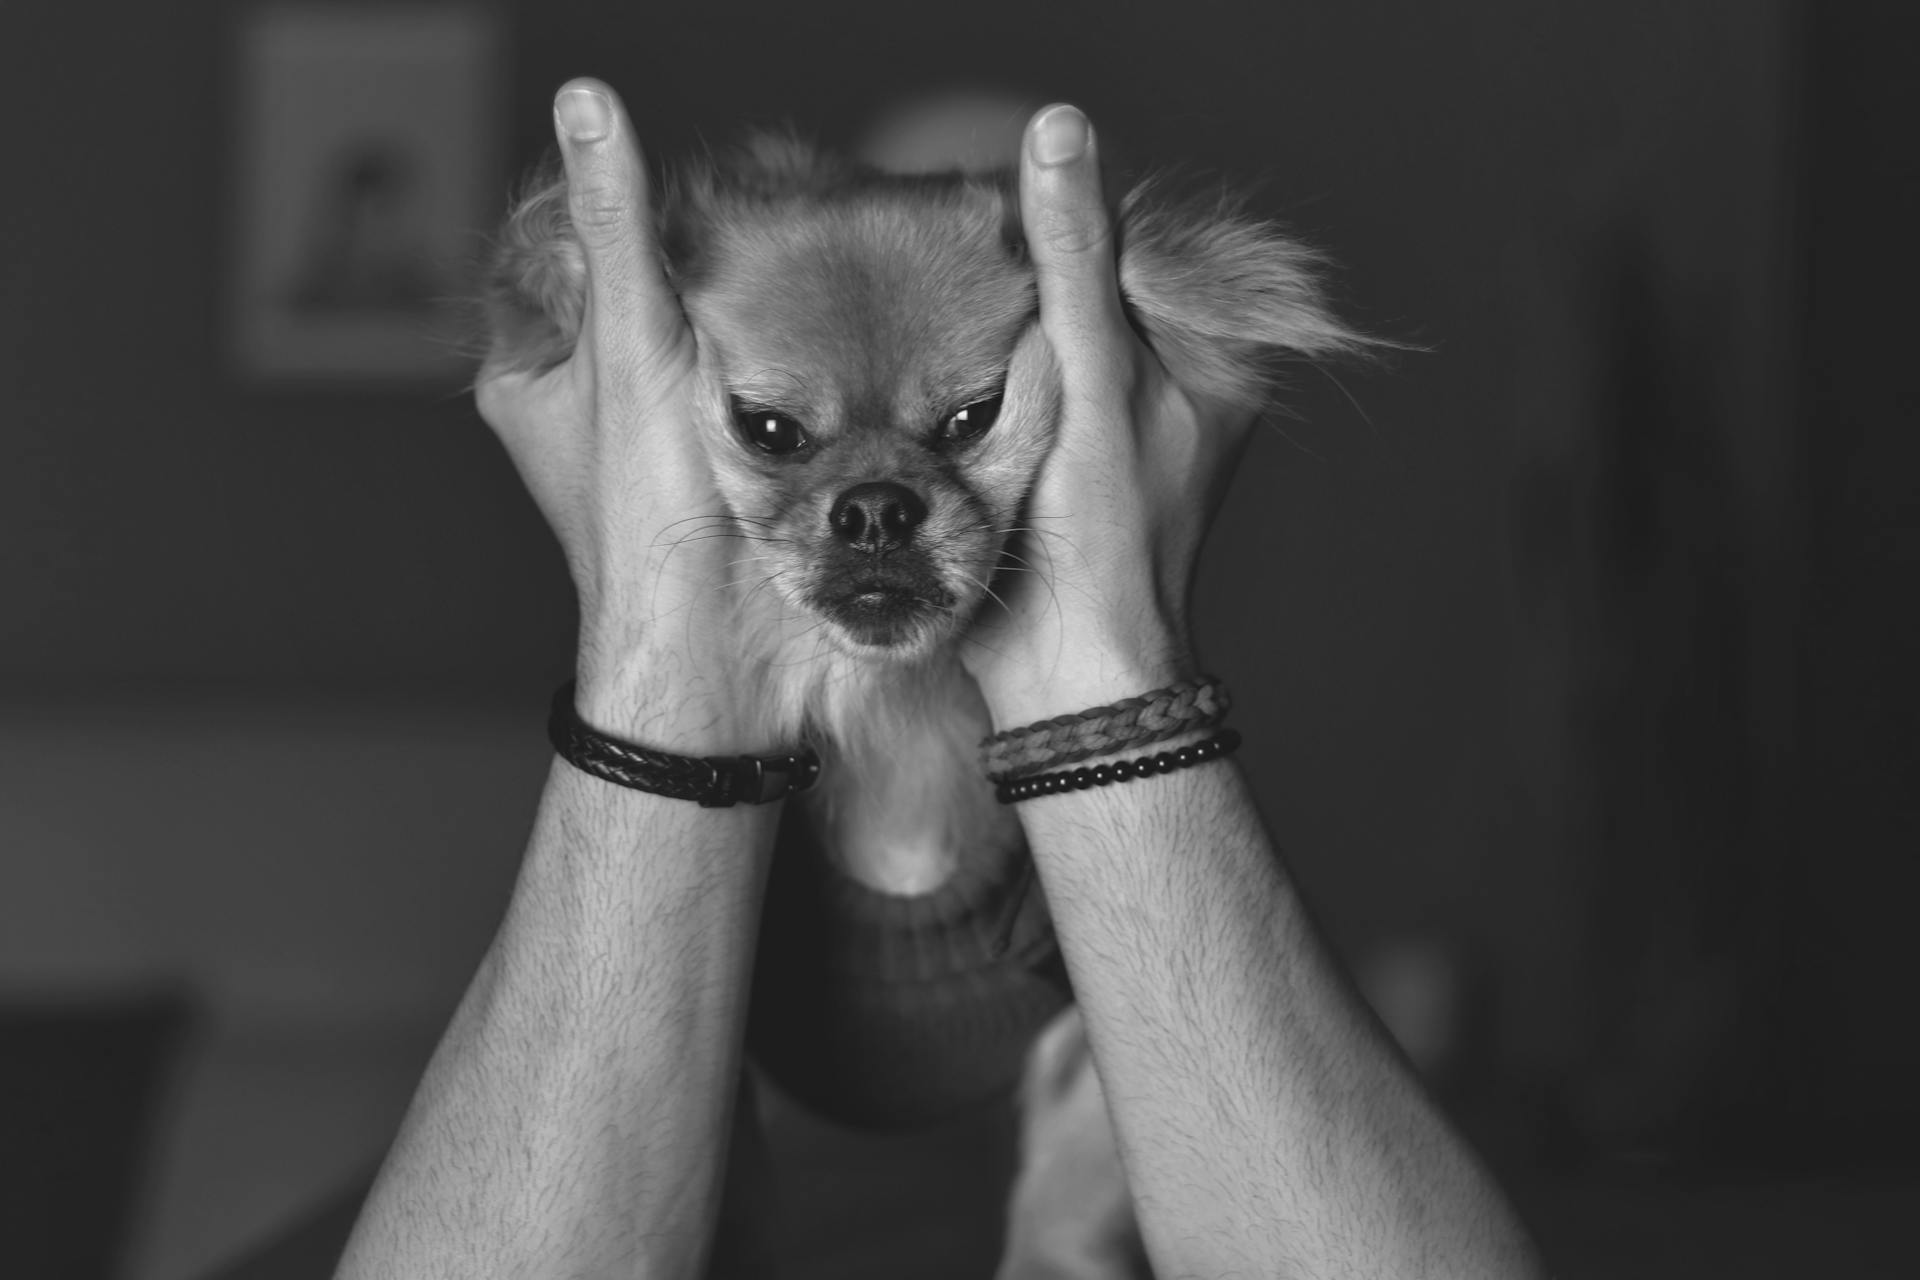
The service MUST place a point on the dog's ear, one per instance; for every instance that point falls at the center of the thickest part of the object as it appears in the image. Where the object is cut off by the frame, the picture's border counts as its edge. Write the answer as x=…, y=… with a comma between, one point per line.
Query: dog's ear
x=1223, y=297
x=536, y=291
x=536, y=280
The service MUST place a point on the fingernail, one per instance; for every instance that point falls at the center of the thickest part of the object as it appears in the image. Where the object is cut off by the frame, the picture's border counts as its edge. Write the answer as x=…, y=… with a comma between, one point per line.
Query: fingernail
x=1060, y=135
x=585, y=114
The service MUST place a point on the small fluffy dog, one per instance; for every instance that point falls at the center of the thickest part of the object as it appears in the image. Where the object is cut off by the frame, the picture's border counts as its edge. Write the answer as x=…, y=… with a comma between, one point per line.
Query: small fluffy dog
x=876, y=399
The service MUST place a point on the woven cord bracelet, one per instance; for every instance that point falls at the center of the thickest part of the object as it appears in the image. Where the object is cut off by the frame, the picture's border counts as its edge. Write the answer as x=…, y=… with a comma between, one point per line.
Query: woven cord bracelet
x=1199, y=703
x=715, y=782
x=1015, y=790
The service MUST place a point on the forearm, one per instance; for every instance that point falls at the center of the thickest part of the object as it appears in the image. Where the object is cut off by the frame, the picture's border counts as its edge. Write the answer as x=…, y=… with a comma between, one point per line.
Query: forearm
x=574, y=1118
x=1268, y=1127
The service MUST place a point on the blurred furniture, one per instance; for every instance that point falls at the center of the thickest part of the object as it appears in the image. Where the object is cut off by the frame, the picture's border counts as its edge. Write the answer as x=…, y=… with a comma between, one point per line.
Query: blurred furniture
x=81, y=1076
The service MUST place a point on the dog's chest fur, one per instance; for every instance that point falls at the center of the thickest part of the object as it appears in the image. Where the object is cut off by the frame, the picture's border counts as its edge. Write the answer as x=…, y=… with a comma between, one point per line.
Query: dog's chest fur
x=901, y=802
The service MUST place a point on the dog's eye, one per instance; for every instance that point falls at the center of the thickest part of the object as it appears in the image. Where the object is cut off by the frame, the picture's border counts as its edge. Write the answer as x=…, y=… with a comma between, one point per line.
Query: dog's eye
x=972, y=420
x=768, y=431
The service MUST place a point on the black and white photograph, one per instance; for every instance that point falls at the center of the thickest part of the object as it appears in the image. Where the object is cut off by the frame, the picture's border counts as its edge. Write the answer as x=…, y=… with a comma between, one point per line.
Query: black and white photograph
x=866, y=641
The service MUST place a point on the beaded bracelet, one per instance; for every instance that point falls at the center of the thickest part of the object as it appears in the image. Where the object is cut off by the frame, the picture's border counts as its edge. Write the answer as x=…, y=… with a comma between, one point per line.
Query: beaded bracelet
x=1015, y=790
x=1199, y=703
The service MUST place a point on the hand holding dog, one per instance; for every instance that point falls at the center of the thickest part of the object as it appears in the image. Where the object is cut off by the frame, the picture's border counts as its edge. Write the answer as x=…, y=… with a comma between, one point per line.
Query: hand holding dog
x=601, y=443
x=1136, y=472
x=1265, y=1129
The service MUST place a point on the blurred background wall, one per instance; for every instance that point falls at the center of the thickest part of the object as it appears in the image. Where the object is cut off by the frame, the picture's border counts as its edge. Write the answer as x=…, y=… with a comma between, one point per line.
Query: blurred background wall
x=1570, y=650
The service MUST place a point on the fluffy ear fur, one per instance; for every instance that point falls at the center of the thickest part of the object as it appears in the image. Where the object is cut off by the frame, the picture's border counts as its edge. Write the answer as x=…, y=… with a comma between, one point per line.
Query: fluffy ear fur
x=1223, y=298
x=536, y=280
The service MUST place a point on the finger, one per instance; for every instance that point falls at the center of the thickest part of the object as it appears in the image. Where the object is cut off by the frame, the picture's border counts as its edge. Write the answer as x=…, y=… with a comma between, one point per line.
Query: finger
x=1070, y=236
x=608, y=199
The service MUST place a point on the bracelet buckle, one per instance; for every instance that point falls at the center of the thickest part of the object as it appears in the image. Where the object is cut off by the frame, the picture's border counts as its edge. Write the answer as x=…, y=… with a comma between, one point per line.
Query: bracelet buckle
x=757, y=779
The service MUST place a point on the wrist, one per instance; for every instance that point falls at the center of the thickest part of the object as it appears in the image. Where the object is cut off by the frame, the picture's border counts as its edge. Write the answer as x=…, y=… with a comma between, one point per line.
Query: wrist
x=662, y=698
x=1084, y=669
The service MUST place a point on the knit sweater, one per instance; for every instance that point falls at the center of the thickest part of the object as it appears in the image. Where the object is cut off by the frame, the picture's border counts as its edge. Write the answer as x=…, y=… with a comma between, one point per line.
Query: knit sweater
x=883, y=1011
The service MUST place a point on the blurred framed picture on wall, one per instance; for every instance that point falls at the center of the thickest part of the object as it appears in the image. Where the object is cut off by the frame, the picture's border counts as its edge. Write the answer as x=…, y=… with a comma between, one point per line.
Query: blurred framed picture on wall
x=366, y=168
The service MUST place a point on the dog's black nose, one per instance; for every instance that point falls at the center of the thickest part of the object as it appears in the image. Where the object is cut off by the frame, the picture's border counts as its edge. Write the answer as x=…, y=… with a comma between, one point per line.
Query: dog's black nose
x=877, y=516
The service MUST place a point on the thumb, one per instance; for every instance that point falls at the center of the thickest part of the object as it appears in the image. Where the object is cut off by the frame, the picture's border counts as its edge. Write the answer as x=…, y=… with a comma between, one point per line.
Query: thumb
x=1070, y=237
x=629, y=300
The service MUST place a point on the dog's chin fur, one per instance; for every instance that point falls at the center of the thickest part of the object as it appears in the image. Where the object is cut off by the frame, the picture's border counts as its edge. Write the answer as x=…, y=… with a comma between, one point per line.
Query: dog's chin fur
x=893, y=640
x=816, y=680
x=901, y=802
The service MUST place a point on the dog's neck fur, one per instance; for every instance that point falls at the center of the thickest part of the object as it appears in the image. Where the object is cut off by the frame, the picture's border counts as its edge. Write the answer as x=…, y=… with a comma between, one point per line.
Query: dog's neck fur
x=902, y=811
x=901, y=803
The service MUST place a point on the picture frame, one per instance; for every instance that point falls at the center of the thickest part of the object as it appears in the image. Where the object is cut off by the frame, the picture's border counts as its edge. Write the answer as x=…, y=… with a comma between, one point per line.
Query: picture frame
x=367, y=160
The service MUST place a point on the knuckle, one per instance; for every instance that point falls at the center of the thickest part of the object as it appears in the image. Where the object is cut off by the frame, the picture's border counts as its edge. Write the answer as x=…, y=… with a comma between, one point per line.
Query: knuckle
x=1077, y=232
x=598, y=212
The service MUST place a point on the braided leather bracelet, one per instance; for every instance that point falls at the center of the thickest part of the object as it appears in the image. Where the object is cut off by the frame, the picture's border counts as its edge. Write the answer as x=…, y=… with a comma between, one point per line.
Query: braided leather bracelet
x=1199, y=703
x=716, y=782
x=1220, y=744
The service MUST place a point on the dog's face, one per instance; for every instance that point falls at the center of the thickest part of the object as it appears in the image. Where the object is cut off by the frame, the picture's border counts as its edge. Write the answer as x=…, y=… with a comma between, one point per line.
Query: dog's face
x=877, y=396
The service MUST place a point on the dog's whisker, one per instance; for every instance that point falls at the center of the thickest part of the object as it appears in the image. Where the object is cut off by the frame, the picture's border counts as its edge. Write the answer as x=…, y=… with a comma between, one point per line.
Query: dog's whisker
x=714, y=537
x=1013, y=560
x=765, y=582
x=985, y=587
x=816, y=632
x=731, y=584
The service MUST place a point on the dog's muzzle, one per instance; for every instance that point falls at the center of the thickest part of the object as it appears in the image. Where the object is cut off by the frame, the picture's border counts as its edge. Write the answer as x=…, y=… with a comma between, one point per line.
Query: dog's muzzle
x=883, y=603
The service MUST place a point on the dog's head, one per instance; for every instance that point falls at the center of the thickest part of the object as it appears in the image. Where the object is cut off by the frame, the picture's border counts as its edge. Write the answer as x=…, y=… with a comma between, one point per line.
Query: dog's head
x=877, y=395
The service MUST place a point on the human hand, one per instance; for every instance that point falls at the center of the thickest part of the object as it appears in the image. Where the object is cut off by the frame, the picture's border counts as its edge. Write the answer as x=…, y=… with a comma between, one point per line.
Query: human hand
x=1137, y=470
x=604, y=444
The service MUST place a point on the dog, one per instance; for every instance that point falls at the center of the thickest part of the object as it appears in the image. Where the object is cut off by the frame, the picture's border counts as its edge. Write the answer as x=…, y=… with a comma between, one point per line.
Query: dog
x=875, y=400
